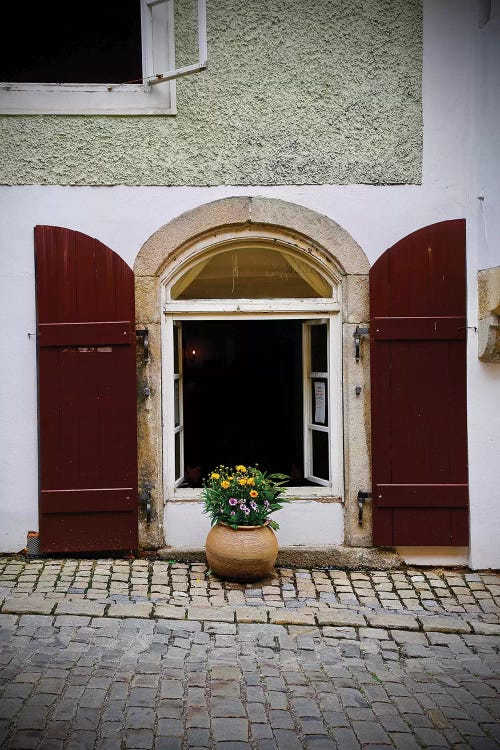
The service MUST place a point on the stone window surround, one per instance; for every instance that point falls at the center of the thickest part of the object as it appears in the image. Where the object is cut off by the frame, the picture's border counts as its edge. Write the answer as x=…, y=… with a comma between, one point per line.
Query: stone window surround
x=489, y=314
x=329, y=245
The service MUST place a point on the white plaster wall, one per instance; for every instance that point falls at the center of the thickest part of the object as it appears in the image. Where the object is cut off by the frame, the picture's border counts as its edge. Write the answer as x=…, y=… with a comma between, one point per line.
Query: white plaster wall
x=185, y=526
x=483, y=243
x=303, y=523
x=124, y=217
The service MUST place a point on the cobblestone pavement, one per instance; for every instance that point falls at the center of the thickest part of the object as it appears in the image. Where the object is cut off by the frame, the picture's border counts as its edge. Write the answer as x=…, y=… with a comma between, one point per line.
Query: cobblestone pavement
x=169, y=589
x=98, y=654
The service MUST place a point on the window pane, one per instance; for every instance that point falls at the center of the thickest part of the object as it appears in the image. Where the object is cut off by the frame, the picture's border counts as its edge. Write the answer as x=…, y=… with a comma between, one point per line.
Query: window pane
x=176, y=350
x=319, y=348
x=243, y=395
x=178, y=472
x=176, y=403
x=63, y=42
x=320, y=455
x=319, y=406
x=251, y=273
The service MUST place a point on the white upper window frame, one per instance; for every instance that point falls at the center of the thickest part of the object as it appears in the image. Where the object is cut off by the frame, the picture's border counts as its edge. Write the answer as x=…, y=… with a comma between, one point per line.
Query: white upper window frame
x=146, y=98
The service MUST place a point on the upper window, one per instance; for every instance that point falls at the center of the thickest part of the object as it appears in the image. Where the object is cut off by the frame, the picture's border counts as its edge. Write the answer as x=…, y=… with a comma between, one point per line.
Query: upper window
x=114, y=57
x=251, y=273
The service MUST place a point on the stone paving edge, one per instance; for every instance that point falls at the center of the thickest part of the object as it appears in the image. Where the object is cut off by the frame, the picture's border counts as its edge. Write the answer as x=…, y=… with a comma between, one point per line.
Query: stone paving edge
x=346, y=618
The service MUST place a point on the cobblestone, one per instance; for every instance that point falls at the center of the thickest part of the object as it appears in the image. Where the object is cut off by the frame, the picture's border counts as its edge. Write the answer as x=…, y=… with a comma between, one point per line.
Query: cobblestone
x=111, y=582
x=140, y=653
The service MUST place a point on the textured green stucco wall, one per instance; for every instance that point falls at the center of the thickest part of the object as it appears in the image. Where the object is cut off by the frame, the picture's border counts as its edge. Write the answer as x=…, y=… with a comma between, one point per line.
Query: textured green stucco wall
x=297, y=92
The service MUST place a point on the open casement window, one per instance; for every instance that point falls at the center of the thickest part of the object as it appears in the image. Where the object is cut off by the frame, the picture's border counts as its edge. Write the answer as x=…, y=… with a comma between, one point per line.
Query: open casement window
x=117, y=58
x=316, y=401
x=221, y=403
x=178, y=405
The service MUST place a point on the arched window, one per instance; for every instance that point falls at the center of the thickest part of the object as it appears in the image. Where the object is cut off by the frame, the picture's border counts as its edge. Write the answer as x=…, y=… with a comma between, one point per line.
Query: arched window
x=253, y=273
x=252, y=366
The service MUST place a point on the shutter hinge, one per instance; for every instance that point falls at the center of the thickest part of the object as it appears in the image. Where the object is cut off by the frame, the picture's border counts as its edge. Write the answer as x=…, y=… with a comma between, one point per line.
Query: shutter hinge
x=144, y=334
x=357, y=339
x=362, y=496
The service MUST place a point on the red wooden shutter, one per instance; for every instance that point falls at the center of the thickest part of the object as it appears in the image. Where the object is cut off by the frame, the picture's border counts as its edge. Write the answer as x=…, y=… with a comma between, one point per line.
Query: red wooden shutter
x=418, y=389
x=87, y=394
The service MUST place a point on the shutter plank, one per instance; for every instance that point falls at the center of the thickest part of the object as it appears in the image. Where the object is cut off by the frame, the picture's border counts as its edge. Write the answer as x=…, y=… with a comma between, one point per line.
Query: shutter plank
x=422, y=495
x=86, y=334
x=431, y=328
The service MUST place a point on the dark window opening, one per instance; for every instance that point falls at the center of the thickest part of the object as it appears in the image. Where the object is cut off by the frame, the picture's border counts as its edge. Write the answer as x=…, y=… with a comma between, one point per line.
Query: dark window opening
x=243, y=396
x=56, y=42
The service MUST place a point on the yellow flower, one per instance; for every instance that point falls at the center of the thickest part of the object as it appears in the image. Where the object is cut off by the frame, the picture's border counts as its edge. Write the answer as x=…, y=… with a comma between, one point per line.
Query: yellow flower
x=214, y=475
x=242, y=482
x=230, y=478
x=242, y=469
x=254, y=493
x=251, y=481
x=225, y=484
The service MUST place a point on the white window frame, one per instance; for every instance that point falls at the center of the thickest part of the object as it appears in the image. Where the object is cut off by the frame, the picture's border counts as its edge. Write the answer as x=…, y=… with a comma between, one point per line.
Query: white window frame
x=179, y=379
x=111, y=98
x=308, y=377
x=256, y=309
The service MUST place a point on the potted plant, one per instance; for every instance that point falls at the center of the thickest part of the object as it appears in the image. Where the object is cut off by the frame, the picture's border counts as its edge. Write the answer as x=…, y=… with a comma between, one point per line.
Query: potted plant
x=241, y=545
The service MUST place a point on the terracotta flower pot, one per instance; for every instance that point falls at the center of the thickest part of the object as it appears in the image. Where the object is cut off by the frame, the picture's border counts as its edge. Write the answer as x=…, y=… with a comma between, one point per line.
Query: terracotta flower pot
x=247, y=553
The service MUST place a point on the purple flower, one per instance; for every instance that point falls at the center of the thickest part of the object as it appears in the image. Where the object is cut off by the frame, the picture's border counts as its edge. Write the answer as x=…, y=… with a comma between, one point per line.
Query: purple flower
x=245, y=510
x=233, y=513
x=266, y=504
x=232, y=501
x=253, y=505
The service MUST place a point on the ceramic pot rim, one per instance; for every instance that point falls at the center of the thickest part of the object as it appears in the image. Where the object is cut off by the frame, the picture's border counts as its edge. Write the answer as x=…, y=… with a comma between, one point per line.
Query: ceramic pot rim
x=242, y=528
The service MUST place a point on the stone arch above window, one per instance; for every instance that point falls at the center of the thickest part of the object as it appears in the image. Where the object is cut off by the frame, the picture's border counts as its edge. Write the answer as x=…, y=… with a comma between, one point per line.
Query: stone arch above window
x=232, y=215
x=334, y=267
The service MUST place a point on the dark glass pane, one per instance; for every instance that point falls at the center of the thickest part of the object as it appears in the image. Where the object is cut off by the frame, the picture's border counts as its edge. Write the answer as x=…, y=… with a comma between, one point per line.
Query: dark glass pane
x=320, y=455
x=176, y=403
x=177, y=455
x=319, y=406
x=63, y=42
x=243, y=395
x=319, y=348
x=176, y=350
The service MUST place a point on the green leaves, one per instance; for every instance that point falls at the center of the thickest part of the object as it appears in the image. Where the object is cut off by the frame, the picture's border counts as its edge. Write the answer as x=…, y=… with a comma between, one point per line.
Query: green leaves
x=242, y=496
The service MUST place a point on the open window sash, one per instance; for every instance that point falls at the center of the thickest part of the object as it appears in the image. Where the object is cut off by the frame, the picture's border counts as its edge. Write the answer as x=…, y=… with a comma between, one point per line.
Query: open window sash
x=158, y=53
x=178, y=405
x=317, y=428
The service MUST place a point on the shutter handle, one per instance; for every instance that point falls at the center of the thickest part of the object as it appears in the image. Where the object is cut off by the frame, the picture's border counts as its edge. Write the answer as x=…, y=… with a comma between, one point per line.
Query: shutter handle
x=146, y=499
x=144, y=334
x=362, y=496
x=357, y=339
